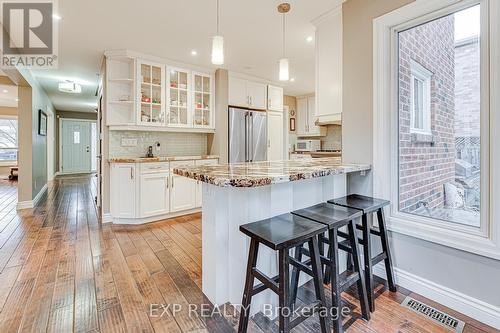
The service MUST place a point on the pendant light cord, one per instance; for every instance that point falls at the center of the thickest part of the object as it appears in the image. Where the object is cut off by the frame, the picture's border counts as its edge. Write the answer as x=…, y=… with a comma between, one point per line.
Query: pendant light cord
x=217, y=16
x=283, y=34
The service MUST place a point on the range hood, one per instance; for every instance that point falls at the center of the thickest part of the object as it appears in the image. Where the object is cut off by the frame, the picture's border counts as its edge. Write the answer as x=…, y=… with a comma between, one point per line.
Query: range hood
x=331, y=119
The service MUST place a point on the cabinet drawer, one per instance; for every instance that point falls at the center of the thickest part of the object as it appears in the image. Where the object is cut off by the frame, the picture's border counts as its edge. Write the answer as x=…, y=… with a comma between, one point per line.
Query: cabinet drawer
x=175, y=164
x=207, y=162
x=154, y=167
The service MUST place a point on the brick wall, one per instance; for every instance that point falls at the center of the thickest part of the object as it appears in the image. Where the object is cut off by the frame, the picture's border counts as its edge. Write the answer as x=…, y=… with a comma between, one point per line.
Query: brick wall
x=425, y=165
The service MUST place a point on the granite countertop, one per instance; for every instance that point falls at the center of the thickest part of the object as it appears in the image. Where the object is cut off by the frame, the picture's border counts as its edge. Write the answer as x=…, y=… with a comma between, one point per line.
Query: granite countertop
x=161, y=159
x=266, y=173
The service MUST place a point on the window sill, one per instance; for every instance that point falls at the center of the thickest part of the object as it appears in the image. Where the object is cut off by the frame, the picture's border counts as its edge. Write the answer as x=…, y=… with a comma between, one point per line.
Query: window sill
x=422, y=137
x=8, y=163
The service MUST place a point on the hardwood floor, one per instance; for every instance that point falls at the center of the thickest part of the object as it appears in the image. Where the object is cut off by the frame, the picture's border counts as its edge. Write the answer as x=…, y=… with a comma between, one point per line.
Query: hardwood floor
x=62, y=271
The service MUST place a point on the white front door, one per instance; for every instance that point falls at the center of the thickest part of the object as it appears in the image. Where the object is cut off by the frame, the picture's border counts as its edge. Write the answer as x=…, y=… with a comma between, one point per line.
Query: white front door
x=75, y=146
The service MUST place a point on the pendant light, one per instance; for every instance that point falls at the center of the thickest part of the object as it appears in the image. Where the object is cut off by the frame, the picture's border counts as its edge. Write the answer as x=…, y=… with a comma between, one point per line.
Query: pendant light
x=218, y=44
x=284, y=71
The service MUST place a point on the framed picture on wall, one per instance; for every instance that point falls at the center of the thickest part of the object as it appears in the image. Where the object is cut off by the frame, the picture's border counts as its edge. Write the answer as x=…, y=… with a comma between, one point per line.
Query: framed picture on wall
x=42, y=123
x=292, y=124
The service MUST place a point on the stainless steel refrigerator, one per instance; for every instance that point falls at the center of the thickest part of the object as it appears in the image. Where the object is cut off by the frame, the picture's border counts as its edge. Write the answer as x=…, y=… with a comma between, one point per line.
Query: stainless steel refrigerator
x=247, y=135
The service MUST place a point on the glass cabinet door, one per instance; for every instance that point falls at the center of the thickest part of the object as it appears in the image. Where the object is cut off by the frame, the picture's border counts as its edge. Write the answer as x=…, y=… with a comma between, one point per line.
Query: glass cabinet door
x=178, y=82
x=202, y=100
x=151, y=95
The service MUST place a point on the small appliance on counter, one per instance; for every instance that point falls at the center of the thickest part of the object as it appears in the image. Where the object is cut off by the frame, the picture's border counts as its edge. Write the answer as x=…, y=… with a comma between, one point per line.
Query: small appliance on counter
x=308, y=145
x=150, y=152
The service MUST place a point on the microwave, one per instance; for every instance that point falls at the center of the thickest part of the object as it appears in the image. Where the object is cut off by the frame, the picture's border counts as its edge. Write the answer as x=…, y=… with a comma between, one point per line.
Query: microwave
x=308, y=145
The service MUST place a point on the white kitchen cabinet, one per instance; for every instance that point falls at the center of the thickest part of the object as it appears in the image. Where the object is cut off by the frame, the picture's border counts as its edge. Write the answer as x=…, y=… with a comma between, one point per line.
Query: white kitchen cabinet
x=179, y=97
x=274, y=98
x=120, y=91
x=199, y=184
x=203, y=115
x=247, y=94
x=306, y=121
x=154, y=194
x=275, y=130
x=123, y=190
x=182, y=189
x=329, y=68
x=151, y=93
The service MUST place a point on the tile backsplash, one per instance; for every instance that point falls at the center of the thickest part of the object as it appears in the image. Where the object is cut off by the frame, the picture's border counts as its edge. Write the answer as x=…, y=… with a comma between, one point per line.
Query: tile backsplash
x=333, y=138
x=172, y=144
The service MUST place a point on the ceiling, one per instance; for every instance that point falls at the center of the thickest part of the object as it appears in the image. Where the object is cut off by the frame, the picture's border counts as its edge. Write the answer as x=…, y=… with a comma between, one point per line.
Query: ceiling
x=172, y=29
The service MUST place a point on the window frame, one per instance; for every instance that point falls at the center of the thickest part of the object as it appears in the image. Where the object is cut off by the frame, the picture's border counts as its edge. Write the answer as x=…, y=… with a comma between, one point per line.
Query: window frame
x=6, y=163
x=486, y=239
x=422, y=74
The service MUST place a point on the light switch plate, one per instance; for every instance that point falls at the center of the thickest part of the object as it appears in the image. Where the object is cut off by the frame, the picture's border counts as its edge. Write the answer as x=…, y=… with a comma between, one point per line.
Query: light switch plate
x=128, y=142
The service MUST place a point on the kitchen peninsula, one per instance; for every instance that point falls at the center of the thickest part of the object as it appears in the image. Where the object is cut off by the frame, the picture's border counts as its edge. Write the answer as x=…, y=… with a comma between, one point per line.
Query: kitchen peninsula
x=237, y=194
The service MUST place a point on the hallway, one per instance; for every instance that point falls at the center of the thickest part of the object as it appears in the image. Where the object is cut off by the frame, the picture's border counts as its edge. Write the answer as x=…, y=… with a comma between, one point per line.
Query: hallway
x=61, y=271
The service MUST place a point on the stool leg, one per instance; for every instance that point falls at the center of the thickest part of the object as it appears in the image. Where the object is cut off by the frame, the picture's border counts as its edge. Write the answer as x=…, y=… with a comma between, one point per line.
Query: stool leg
x=367, y=253
x=295, y=277
x=328, y=272
x=385, y=247
x=284, y=292
x=318, y=277
x=335, y=281
x=363, y=300
x=247, y=293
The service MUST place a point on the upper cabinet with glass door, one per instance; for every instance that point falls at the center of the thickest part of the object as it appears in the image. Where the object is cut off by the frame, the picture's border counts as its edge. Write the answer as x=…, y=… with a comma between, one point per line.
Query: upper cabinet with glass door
x=203, y=104
x=179, y=104
x=151, y=91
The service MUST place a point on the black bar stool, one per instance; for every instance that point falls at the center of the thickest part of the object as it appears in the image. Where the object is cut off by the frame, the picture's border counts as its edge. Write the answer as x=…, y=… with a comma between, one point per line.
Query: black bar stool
x=282, y=233
x=368, y=206
x=334, y=218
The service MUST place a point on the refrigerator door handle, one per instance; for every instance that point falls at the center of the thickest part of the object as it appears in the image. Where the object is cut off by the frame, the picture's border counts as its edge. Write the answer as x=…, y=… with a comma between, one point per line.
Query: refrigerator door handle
x=251, y=146
x=246, y=136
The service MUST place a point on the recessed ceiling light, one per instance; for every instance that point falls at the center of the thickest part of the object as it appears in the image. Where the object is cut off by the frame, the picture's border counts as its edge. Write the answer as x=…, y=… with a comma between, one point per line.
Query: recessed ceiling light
x=56, y=17
x=16, y=99
x=292, y=79
x=309, y=39
x=194, y=52
x=5, y=91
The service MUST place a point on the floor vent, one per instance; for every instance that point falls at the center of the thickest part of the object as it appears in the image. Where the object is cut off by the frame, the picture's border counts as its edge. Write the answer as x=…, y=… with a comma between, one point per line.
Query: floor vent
x=435, y=315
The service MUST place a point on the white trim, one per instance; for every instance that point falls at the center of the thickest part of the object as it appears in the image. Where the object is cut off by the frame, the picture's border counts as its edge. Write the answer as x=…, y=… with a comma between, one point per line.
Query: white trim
x=118, y=220
x=486, y=240
x=32, y=203
x=470, y=306
x=106, y=218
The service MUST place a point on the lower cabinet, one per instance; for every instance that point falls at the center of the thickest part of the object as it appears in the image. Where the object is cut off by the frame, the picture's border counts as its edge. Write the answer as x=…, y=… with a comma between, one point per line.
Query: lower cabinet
x=154, y=194
x=123, y=190
x=183, y=194
x=146, y=190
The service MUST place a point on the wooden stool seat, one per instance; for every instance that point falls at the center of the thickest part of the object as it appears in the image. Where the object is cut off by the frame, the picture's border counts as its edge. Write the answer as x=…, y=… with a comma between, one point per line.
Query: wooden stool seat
x=368, y=206
x=281, y=234
x=335, y=217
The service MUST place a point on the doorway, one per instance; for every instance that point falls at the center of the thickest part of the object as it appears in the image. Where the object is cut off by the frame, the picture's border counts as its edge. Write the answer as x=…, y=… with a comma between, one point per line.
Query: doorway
x=76, y=146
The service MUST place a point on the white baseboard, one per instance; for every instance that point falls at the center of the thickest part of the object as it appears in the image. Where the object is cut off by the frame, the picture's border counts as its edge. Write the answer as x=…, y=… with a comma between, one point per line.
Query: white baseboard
x=106, y=218
x=469, y=306
x=25, y=204
x=31, y=203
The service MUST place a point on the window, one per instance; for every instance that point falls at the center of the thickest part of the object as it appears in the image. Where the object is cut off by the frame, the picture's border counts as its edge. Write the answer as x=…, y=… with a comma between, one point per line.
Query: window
x=8, y=139
x=420, y=101
x=439, y=178
x=443, y=187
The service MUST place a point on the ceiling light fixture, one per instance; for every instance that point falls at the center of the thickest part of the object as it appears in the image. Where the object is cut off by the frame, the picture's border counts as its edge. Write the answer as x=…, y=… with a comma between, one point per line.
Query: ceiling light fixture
x=284, y=72
x=217, y=44
x=292, y=79
x=309, y=39
x=56, y=17
x=5, y=91
x=194, y=52
x=70, y=87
